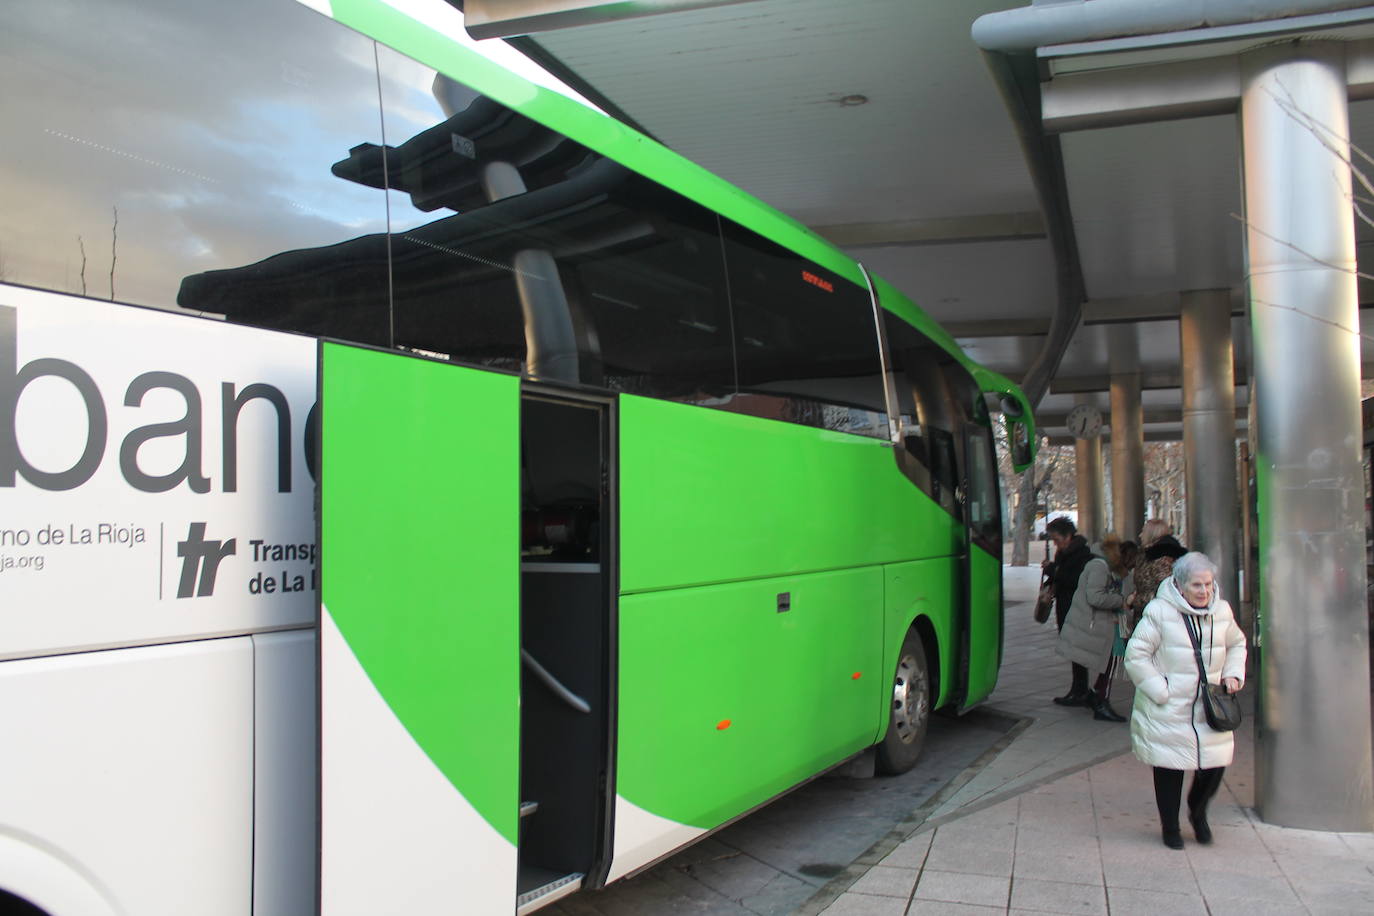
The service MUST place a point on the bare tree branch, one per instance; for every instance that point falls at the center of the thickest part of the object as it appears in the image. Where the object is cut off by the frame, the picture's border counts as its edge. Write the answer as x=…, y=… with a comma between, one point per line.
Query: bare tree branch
x=1317, y=318
x=114, y=242
x=1306, y=254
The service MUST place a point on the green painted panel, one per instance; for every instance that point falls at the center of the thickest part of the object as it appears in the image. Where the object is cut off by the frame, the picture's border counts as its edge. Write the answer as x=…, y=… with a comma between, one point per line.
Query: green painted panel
x=420, y=551
x=694, y=659
x=711, y=496
x=928, y=589
x=985, y=623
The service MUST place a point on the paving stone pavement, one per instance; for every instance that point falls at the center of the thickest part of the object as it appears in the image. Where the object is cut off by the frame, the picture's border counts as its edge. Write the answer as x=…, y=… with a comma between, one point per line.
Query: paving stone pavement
x=1064, y=821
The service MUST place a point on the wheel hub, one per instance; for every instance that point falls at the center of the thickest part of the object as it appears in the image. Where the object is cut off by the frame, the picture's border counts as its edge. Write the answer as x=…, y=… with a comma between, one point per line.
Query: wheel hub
x=910, y=702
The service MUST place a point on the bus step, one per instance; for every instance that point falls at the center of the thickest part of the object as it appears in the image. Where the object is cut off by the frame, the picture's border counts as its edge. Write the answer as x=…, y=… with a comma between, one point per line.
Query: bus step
x=545, y=894
x=528, y=808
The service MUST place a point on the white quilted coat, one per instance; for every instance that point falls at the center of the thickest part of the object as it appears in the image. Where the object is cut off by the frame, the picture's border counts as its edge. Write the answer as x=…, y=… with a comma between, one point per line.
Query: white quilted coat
x=1168, y=725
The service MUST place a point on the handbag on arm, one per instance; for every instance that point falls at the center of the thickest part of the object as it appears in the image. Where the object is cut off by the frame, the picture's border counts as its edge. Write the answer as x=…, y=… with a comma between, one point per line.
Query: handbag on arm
x=1222, y=708
x=1044, y=600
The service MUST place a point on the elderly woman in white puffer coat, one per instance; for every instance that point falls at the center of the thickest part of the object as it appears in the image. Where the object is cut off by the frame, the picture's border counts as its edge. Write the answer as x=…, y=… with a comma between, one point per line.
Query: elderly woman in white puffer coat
x=1169, y=728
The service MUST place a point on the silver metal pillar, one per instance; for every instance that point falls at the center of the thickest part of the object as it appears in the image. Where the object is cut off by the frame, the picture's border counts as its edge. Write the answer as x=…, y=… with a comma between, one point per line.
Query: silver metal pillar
x=1313, y=758
x=1128, y=433
x=1088, y=476
x=1209, y=431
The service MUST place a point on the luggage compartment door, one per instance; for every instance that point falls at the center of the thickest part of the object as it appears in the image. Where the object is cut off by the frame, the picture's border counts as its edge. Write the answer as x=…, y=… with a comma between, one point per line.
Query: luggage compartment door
x=419, y=635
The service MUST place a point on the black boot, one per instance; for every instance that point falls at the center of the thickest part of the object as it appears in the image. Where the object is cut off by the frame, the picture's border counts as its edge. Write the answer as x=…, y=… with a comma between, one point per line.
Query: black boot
x=1173, y=839
x=1103, y=712
x=1201, y=829
x=1077, y=696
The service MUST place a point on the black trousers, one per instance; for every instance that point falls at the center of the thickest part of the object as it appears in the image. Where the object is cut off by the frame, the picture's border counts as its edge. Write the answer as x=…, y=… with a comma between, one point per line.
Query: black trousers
x=1103, y=686
x=1080, y=679
x=1169, y=789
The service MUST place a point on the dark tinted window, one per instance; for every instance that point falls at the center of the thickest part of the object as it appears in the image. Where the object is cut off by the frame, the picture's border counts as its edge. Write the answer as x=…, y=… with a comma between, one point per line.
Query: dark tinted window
x=929, y=419
x=150, y=143
x=981, y=499
x=658, y=301
x=517, y=248
x=805, y=341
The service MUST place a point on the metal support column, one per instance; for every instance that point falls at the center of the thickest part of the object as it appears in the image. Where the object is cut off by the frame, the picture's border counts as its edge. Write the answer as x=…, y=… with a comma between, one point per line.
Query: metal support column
x=1313, y=757
x=1209, y=431
x=1092, y=522
x=1128, y=433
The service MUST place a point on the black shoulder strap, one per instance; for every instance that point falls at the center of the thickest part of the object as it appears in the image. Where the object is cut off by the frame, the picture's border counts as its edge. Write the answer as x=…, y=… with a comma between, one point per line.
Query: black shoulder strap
x=1188, y=623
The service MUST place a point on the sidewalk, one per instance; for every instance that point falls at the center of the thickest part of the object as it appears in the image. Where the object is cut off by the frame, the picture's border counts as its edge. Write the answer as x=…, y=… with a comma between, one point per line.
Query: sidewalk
x=1062, y=819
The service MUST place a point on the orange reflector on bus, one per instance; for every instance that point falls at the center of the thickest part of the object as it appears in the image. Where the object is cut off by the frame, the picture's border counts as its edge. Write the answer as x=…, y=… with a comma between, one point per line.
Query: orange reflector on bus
x=722, y=725
x=857, y=675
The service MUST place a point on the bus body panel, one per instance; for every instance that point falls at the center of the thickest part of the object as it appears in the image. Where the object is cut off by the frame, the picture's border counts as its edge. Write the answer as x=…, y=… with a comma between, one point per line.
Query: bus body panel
x=712, y=496
x=419, y=640
x=285, y=770
x=107, y=537
x=135, y=768
x=730, y=694
x=985, y=623
x=642, y=837
x=925, y=589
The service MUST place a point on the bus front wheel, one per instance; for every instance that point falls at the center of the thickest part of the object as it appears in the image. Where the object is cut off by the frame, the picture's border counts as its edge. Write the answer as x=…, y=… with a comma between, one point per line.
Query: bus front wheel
x=909, y=715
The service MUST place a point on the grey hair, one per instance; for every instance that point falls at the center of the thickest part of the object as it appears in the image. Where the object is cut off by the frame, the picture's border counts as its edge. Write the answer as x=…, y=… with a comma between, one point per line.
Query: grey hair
x=1190, y=564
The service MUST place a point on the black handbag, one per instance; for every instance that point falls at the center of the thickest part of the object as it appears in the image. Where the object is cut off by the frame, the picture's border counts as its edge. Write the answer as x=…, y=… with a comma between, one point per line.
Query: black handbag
x=1222, y=708
x=1044, y=600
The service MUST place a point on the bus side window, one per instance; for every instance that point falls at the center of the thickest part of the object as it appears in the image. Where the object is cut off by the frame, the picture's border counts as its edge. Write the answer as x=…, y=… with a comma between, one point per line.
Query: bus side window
x=543, y=256
x=944, y=467
x=980, y=462
x=930, y=453
x=194, y=138
x=805, y=344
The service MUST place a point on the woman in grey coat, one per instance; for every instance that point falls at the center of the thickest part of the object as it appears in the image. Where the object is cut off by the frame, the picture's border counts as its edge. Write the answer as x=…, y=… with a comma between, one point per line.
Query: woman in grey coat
x=1169, y=727
x=1091, y=625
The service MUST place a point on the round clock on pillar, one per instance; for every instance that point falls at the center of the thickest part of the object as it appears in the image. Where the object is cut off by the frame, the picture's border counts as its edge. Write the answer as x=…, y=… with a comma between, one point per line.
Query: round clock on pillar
x=1084, y=422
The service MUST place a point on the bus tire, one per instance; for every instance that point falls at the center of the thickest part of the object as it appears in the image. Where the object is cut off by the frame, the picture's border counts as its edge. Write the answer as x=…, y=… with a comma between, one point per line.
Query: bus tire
x=909, y=710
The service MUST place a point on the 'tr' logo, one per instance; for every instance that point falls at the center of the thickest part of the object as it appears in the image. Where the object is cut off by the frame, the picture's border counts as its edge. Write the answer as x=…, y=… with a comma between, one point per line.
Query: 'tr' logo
x=202, y=557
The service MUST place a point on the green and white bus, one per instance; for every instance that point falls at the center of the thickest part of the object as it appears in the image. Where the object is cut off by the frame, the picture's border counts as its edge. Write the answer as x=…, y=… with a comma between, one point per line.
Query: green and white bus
x=420, y=492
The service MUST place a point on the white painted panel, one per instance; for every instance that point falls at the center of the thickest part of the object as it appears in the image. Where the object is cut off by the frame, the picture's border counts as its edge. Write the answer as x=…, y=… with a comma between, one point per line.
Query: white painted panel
x=396, y=836
x=642, y=837
x=132, y=768
x=284, y=749
x=94, y=561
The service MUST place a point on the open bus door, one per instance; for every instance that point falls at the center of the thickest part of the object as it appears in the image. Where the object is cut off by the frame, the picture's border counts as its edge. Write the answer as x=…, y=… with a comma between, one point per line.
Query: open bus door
x=982, y=641
x=419, y=635
x=982, y=572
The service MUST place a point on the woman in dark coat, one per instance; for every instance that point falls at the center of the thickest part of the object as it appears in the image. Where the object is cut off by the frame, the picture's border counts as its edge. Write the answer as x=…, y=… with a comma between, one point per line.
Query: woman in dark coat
x=1072, y=553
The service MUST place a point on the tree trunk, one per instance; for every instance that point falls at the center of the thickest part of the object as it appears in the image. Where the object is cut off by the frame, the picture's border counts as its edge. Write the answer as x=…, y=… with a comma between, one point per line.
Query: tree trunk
x=1023, y=518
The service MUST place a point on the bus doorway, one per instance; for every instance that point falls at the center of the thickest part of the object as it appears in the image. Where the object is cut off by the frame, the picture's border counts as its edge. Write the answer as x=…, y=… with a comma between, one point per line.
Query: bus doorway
x=982, y=572
x=566, y=644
